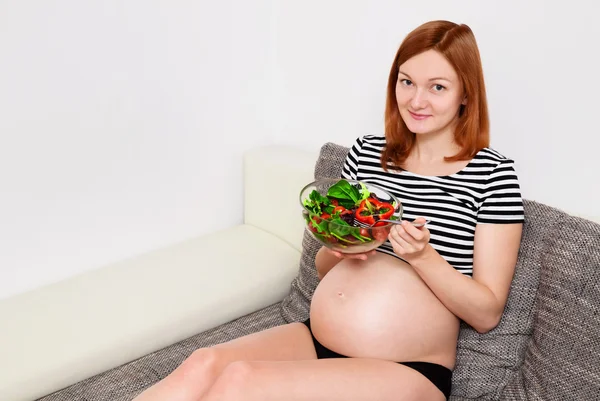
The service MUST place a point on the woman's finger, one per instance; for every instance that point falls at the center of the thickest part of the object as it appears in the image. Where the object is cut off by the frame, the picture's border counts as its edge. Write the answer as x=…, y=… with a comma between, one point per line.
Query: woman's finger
x=365, y=255
x=335, y=253
x=414, y=232
x=404, y=235
x=360, y=256
x=401, y=242
x=420, y=220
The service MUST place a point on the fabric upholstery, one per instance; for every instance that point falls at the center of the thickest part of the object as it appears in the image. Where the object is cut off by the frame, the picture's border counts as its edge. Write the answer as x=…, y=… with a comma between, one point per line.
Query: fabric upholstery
x=486, y=362
x=562, y=361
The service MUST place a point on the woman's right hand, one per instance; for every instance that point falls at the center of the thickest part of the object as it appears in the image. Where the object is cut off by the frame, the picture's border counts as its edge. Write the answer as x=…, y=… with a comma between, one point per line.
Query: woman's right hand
x=340, y=255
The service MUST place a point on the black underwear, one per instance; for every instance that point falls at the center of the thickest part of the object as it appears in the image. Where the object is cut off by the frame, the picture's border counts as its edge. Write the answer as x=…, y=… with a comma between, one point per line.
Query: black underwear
x=439, y=375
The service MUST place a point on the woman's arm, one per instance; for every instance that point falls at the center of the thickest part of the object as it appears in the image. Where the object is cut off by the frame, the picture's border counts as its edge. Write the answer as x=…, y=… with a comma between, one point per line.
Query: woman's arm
x=480, y=300
x=325, y=261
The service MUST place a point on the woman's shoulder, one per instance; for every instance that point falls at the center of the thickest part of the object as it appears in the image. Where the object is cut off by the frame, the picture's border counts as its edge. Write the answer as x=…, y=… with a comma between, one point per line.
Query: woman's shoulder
x=494, y=166
x=493, y=155
x=372, y=141
x=374, y=138
x=493, y=159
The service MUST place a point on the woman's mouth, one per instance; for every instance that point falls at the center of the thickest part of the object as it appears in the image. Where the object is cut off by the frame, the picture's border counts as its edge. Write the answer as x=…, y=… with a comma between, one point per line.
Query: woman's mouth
x=418, y=116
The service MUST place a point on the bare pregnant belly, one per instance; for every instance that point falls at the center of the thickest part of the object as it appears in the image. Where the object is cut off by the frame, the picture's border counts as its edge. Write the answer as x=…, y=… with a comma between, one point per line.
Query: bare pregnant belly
x=381, y=308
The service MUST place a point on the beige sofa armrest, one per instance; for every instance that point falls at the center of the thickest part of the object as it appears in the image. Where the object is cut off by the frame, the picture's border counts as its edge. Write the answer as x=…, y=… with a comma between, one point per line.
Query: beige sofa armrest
x=273, y=178
x=57, y=335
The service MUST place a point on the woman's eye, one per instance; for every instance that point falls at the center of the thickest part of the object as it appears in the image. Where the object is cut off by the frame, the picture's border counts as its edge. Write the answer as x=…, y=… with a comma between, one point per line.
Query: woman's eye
x=438, y=88
x=406, y=82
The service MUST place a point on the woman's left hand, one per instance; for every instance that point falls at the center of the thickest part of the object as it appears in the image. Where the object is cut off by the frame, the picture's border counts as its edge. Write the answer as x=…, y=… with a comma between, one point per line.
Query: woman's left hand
x=408, y=241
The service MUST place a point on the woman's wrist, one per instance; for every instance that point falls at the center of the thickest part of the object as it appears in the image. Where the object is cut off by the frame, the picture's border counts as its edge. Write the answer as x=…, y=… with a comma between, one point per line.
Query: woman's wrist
x=325, y=261
x=427, y=257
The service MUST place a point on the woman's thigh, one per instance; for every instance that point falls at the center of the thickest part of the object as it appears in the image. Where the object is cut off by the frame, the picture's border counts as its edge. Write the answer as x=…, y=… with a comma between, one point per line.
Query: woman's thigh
x=344, y=379
x=287, y=342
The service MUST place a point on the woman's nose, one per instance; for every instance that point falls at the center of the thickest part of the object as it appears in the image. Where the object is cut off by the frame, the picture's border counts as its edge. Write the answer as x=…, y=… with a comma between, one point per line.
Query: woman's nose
x=419, y=100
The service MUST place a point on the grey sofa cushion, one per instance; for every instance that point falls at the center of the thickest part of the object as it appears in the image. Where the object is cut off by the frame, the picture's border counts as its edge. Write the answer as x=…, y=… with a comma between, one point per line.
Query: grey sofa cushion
x=562, y=361
x=486, y=363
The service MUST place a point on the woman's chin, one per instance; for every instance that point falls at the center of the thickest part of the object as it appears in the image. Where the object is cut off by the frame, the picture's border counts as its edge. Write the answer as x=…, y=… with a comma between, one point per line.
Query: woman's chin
x=418, y=129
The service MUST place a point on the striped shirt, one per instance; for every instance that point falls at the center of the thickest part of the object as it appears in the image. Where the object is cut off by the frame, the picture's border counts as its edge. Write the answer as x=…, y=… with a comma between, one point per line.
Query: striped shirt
x=486, y=191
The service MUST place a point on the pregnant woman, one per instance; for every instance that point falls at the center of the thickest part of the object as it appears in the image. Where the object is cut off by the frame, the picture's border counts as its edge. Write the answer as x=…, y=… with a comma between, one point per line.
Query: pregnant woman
x=384, y=325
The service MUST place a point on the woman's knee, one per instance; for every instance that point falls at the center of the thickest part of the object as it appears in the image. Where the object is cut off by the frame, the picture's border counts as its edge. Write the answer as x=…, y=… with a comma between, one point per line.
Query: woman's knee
x=238, y=379
x=239, y=373
x=202, y=362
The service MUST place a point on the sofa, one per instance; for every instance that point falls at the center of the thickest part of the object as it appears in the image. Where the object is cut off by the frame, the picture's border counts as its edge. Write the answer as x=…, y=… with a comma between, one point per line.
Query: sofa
x=107, y=334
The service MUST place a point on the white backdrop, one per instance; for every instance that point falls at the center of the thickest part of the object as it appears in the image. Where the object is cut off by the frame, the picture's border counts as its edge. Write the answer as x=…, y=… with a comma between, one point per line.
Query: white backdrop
x=123, y=123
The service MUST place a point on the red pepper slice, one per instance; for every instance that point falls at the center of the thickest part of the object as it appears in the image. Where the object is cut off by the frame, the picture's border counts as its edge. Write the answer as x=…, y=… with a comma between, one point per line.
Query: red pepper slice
x=318, y=219
x=340, y=209
x=371, y=210
x=364, y=215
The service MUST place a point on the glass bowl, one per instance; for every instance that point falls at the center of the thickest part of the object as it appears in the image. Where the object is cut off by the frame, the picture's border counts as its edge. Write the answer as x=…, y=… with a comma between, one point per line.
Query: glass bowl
x=344, y=215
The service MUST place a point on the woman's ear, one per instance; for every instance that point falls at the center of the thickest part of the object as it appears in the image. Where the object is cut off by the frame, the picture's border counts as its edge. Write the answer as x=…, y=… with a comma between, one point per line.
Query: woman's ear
x=464, y=102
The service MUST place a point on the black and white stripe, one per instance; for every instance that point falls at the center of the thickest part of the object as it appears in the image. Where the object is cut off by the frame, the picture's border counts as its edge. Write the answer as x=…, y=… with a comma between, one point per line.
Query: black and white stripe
x=486, y=191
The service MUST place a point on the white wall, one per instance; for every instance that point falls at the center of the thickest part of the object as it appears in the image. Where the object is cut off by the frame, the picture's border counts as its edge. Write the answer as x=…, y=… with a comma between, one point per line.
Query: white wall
x=122, y=126
x=540, y=64
x=122, y=122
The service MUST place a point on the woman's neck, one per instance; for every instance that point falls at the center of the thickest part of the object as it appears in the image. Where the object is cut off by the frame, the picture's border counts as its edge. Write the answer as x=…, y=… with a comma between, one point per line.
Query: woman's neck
x=434, y=147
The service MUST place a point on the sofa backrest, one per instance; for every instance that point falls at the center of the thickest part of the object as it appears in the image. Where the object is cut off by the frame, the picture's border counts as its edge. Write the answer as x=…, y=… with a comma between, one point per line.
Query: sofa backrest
x=551, y=321
x=562, y=358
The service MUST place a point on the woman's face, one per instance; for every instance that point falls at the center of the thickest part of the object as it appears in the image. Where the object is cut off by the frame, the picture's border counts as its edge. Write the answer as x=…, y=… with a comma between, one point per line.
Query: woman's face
x=429, y=93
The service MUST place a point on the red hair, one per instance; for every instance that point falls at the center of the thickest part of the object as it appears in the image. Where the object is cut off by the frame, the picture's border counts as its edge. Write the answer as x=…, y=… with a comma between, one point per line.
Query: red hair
x=457, y=44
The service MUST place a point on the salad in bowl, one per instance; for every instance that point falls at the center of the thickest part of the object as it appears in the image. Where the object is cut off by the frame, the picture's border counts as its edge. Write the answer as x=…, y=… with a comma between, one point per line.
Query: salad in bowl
x=346, y=215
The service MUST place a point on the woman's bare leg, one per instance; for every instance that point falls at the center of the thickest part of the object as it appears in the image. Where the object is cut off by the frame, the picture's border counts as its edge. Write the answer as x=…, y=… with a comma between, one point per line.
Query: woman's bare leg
x=351, y=379
x=192, y=379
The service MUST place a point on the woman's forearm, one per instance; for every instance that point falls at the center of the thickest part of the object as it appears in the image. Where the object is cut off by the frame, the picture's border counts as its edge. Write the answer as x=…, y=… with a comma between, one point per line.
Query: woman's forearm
x=325, y=261
x=466, y=298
